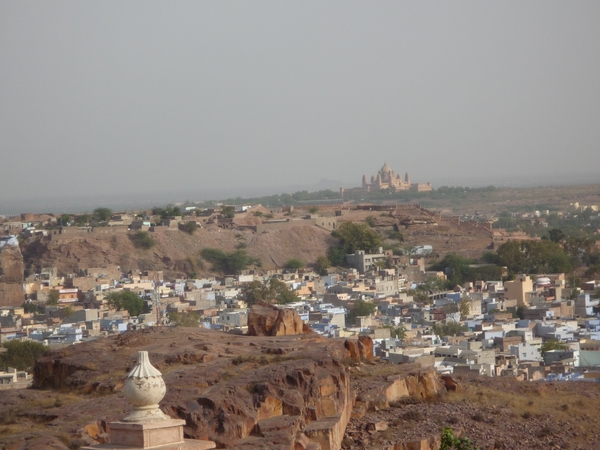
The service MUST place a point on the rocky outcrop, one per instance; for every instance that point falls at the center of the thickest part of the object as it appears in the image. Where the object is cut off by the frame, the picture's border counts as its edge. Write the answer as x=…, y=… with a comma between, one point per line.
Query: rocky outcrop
x=265, y=319
x=361, y=349
x=279, y=392
x=294, y=403
x=450, y=383
x=289, y=392
x=379, y=394
x=11, y=273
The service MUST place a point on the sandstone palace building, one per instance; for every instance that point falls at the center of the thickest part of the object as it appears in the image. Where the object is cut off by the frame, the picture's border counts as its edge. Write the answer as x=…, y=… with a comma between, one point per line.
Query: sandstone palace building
x=386, y=180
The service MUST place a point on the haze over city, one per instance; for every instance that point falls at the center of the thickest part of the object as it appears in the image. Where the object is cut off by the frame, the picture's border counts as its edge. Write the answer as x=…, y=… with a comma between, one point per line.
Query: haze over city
x=196, y=100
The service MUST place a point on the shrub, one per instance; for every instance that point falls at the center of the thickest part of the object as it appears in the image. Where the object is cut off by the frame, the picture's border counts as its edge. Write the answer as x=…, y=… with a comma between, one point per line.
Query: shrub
x=449, y=441
x=294, y=264
x=478, y=417
x=414, y=415
x=190, y=227
x=226, y=262
x=186, y=319
x=142, y=239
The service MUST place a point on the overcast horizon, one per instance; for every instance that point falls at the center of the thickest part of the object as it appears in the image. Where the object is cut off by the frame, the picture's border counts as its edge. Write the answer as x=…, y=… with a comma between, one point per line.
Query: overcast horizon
x=113, y=99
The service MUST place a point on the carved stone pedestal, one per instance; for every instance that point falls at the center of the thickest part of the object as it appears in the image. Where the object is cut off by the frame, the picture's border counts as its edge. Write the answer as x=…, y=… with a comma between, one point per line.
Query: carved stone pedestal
x=147, y=427
x=163, y=435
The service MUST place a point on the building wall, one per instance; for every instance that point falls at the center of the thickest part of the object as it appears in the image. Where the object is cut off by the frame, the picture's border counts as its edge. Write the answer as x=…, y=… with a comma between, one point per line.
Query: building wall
x=517, y=288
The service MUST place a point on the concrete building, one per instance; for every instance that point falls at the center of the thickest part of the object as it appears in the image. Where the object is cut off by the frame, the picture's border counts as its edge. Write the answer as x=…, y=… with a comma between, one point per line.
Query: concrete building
x=367, y=261
x=518, y=288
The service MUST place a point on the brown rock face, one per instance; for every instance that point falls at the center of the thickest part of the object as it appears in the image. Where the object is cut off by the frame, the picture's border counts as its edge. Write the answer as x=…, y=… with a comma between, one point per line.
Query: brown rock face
x=360, y=350
x=265, y=319
x=292, y=402
x=450, y=383
x=284, y=392
x=418, y=384
x=11, y=276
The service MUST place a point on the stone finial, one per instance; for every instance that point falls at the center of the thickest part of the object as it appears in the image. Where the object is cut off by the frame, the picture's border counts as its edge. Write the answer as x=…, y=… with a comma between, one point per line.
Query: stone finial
x=144, y=388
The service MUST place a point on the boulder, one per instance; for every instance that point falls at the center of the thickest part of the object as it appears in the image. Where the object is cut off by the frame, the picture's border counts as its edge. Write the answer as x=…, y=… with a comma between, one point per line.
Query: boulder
x=265, y=319
x=450, y=383
x=360, y=350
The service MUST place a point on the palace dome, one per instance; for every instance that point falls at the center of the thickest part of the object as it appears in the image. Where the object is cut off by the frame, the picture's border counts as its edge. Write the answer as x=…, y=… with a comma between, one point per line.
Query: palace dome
x=386, y=168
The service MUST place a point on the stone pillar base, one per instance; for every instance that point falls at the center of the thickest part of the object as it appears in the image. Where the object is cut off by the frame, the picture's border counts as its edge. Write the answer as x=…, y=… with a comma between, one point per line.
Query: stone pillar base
x=162, y=435
x=187, y=444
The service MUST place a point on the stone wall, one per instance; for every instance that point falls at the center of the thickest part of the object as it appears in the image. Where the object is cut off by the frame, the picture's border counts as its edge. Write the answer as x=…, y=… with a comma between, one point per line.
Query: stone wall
x=267, y=226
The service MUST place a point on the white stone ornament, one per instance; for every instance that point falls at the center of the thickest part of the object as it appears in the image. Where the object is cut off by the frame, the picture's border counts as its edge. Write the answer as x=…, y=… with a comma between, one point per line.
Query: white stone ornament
x=144, y=389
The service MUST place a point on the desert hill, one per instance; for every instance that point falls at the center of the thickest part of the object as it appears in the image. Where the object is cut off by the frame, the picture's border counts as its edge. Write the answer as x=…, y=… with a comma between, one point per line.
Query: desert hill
x=175, y=252
x=178, y=253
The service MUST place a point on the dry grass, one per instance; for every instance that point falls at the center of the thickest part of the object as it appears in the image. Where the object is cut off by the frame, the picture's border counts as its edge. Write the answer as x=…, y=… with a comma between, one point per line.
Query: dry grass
x=369, y=371
x=529, y=400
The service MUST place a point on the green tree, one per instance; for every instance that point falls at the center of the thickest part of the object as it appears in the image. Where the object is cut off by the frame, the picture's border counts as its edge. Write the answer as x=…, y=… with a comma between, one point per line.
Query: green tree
x=281, y=292
x=254, y=291
x=361, y=308
x=190, y=227
x=272, y=291
x=68, y=311
x=127, y=300
x=357, y=236
x=322, y=264
x=336, y=255
x=142, y=239
x=533, y=257
x=184, y=319
x=228, y=212
x=552, y=344
x=556, y=235
x=30, y=307
x=419, y=296
x=294, y=264
x=21, y=354
x=464, y=307
x=63, y=220
x=454, y=265
x=53, y=297
x=313, y=209
x=227, y=263
x=82, y=220
x=398, y=332
x=167, y=213
x=448, y=329
x=102, y=214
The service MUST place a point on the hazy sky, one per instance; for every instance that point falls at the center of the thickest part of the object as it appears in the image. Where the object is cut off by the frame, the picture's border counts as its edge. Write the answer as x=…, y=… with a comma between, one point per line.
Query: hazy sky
x=119, y=97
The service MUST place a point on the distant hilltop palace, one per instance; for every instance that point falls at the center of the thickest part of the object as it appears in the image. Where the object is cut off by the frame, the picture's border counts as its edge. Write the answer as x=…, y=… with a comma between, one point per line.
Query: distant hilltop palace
x=385, y=180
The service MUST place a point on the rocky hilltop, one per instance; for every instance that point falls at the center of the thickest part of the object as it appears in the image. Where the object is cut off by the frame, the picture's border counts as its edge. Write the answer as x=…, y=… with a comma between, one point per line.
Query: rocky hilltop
x=290, y=392
x=175, y=252
x=274, y=390
x=273, y=243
